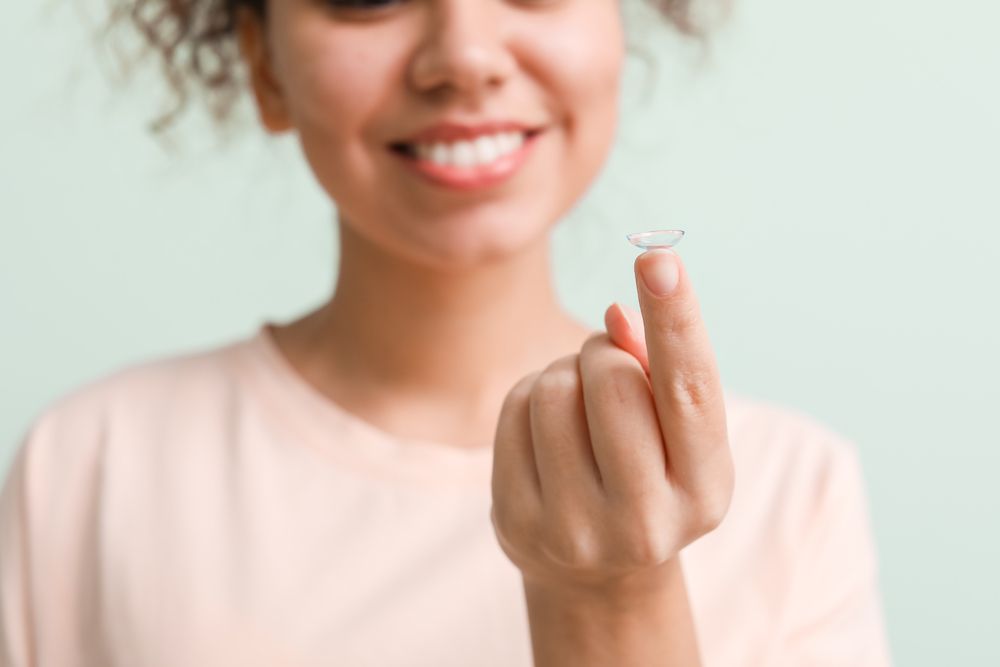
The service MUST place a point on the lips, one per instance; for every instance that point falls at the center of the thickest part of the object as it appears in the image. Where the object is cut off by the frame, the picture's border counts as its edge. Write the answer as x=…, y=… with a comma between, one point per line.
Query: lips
x=474, y=178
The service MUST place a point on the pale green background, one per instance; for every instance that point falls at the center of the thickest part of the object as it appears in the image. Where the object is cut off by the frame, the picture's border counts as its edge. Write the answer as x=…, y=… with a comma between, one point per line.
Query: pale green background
x=836, y=167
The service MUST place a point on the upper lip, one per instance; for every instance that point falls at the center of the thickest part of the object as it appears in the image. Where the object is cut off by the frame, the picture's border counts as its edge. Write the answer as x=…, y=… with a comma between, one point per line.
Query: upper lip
x=453, y=131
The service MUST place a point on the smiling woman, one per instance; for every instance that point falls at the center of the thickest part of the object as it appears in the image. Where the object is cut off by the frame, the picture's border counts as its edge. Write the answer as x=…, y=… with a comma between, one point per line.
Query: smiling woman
x=439, y=465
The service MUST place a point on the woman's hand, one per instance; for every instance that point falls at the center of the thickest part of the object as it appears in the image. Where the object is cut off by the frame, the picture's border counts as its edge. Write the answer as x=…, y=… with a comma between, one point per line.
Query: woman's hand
x=608, y=462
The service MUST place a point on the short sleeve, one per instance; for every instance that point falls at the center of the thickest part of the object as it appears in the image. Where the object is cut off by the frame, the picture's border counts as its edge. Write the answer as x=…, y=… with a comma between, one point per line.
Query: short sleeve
x=15, y=598
x=833, y=615
x=46, y=519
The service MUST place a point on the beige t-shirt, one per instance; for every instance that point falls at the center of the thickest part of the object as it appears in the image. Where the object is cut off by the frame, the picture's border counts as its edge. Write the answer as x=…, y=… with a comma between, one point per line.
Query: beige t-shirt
x=213, y=508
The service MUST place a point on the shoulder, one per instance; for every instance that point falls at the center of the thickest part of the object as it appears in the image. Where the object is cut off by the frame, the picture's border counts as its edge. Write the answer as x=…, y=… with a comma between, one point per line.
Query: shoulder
x=138, y=399
x=798, y=490
x=778, y=432
x=791, y=464
x=167, y=379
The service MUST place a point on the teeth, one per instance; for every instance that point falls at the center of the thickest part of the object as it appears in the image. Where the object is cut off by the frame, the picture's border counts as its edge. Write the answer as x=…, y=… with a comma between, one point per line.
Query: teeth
x=482, y=150
x=487, y=149
x=464, y=154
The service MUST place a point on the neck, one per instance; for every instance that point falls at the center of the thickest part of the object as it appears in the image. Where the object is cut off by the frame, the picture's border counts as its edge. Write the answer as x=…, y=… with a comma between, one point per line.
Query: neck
x=454, y=342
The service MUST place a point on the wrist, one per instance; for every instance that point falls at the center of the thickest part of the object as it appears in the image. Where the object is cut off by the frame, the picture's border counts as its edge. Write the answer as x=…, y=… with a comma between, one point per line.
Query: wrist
x=622, y=591
x=643, y=620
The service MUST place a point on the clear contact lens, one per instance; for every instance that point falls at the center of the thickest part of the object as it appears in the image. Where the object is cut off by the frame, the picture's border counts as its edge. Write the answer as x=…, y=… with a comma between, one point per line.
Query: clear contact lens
x=661, y=238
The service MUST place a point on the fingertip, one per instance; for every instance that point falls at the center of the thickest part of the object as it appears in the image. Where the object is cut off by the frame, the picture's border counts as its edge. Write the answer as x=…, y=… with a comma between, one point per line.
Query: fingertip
x=609, y=316
x=648, y=253
x=615, y=320
x=635, y=322
x=658, y=270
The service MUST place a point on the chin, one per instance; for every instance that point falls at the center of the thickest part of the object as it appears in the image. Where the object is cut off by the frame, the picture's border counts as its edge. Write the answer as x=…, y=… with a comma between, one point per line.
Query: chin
x=464, y=240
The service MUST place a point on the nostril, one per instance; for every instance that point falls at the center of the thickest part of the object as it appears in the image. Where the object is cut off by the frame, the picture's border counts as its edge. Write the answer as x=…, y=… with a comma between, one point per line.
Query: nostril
x=404, y=149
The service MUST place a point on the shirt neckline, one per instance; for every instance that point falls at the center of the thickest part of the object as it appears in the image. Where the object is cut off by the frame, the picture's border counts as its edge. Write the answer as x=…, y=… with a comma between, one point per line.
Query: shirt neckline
x=357, y=442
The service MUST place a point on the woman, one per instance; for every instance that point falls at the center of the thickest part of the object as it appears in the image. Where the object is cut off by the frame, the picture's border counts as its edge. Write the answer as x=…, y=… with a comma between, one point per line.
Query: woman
x=439, y=466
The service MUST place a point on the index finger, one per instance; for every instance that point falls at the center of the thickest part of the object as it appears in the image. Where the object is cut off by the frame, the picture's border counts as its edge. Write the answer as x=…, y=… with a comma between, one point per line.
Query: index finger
x=683, y=372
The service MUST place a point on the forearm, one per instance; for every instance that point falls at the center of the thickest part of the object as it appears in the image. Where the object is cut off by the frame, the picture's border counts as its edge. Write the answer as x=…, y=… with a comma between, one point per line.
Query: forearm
x=646, y=627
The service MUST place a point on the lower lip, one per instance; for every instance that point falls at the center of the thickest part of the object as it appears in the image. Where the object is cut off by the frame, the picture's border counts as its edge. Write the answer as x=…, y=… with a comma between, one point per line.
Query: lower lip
x=472, y=178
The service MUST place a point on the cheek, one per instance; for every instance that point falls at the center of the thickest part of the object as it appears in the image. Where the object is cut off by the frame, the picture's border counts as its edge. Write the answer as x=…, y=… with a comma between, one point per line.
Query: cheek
x=581, y=65
x=589, y=81
x=584, y=50
x=334, y=86
x=330, y=87
x=334, y=79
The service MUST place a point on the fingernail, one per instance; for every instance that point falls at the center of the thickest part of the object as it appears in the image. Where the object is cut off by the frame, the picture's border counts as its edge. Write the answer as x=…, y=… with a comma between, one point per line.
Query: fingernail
x=659, y=271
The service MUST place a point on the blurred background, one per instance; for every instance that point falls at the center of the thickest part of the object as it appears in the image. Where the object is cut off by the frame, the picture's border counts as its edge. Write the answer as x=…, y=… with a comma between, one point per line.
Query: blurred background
x=836, y=167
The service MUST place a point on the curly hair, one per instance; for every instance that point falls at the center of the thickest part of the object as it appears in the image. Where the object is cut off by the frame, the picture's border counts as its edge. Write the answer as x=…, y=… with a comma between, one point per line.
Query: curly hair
x=197, y=46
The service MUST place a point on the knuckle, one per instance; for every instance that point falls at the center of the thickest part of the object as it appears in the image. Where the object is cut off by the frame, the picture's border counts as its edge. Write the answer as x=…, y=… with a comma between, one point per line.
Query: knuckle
x=643, y=550
x=710, y=520
x=502, y=519
x=513, y=523
x=710, y=512
x=683, y=319
x=596, y=341
x=521, y=391
x=618, y=386
x=695, y=387
x=559, y=380
x=573, y=548
x=499, y=519
x=647, y=541
x=515, y=533
x=564, y=364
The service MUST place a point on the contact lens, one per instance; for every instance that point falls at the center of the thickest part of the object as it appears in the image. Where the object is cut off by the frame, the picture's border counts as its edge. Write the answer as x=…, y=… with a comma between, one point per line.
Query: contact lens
x=661, y=238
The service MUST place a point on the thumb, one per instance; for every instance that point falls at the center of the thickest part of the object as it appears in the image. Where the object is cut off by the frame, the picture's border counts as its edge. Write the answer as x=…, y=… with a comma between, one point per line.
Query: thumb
x=626, y=329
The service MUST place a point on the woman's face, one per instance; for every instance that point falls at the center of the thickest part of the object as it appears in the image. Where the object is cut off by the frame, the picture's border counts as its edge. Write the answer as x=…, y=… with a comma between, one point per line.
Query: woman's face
x=352, y=81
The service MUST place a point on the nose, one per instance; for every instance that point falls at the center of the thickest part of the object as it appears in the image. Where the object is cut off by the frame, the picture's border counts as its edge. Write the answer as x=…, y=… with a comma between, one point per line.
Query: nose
x=463, y=51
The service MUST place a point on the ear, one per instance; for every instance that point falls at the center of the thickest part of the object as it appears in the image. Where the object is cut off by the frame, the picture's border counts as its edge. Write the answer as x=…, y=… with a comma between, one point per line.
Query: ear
x=251, y=35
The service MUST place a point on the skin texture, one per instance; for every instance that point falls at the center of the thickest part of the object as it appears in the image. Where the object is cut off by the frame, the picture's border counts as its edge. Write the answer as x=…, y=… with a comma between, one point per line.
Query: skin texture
x=461, y=274
x=607, y=463
x=610, y=454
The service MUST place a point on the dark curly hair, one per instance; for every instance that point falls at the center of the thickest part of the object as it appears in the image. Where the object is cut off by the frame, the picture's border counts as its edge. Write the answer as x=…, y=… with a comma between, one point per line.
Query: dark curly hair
x=196, y=44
